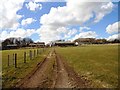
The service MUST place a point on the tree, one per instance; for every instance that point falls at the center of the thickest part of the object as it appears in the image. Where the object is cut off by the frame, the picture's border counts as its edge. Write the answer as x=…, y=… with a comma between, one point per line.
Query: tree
x=19, y=41
x=5, y=43
x=27, y=41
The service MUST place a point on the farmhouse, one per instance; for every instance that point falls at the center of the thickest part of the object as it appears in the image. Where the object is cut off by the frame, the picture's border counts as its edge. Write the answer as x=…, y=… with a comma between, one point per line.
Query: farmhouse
x=38, y=44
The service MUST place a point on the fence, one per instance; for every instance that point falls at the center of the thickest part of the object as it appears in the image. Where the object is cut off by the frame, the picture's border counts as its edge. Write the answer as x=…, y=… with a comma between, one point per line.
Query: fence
x=14, y=58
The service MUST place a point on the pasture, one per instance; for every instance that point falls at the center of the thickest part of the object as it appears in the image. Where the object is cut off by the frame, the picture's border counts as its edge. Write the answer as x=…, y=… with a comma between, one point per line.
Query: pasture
x=97, y=63
x=10, y=74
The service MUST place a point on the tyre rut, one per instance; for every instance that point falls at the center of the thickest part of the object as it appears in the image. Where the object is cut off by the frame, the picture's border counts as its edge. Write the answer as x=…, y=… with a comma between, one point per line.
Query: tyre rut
x=53, y=72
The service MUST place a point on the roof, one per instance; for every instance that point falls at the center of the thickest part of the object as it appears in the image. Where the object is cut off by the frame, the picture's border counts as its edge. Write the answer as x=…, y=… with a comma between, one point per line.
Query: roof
x=40, y=42
x=32, y=44
x=65, y=42
x=37, y=44
x=12, y=45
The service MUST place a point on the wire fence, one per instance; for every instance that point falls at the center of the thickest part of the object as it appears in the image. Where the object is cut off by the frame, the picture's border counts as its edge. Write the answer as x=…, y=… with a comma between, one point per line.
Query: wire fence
x=14, y=59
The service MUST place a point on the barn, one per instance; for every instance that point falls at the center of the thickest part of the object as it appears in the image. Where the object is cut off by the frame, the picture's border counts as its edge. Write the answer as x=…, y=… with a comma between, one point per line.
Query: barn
x=12, y=46
x=64, y=44
x=38, y=44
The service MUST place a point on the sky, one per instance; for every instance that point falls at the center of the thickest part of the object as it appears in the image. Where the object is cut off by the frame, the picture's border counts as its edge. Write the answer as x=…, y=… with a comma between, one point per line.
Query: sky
x=46, y=21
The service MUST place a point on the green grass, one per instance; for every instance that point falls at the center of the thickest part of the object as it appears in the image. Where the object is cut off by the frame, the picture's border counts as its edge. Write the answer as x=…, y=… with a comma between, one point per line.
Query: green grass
x=10, y=74
x=98, y=63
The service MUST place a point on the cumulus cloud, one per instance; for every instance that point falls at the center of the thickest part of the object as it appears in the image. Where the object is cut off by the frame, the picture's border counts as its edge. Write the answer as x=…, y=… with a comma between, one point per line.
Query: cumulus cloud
x=77, y=13
x=8, y=11
x=113, y=37
x=3, y=35
x=89, y=34
x=113, y=28
x=70, y=33
x=48, y=33
x=74, y=13
x=27, y=21
x=40, y=0
x=49, y=0
x=103, y=10
x=84, y=28
x=17, y=33
x=33, y=6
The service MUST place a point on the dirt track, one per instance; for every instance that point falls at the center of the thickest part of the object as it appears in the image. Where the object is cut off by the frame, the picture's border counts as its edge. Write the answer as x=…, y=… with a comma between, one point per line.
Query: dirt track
x=53, y=72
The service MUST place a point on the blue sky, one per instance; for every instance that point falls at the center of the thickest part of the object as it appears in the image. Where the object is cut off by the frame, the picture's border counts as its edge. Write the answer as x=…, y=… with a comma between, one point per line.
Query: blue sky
x=48, y=21
x=100, y=27
x=46, y=6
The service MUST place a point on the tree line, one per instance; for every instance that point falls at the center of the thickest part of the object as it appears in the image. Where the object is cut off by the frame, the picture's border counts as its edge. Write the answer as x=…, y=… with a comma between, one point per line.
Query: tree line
x=19, y=42
x=95, y=41
x=24, y=42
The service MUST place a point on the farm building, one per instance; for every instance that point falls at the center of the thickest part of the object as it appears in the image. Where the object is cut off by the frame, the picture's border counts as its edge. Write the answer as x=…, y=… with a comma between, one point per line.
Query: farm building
x=12, y=46
x=64, y=44
x=90, y=41
x=85, y=40
x=0, y=46
x=38, y=44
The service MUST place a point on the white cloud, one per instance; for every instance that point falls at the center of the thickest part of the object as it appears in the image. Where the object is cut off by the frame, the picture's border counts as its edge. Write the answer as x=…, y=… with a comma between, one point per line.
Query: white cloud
x=113, y=28
x=74, y=13
x=8, y=16
x=49, y=0
x=48, y=33
x=84, y=28
x=3, y=35
x=70, y=33
x=22, y=33
x=27, y=21
x=41, y=0
x=77, y=13
x=103, y=10
x=17, y=33
x=113, y=37
x=89, y=34
x=33, y=6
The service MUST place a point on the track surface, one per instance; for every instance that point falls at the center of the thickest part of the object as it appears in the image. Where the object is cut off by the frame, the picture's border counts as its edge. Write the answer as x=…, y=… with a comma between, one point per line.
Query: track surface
x=53, y=72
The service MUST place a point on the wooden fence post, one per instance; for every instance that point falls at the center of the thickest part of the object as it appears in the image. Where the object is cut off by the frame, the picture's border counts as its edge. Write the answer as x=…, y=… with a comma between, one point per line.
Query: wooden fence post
x=15, y=60
x=8, y=60
x=30, y=55
x=24, y=57
x=34, y=53
x=37, y=51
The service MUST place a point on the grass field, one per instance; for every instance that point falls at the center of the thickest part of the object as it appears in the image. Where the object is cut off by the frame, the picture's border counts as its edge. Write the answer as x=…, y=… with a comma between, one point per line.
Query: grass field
x=98, y=63
x=10, y=74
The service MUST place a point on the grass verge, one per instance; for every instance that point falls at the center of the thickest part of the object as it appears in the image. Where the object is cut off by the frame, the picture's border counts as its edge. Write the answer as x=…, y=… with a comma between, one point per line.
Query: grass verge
x=12, y=75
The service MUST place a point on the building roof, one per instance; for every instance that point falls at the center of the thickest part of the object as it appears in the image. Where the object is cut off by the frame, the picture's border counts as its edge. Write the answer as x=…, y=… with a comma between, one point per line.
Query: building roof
x=34, y=44
x=65, y=42
x=40, y=42
x=12, y=45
